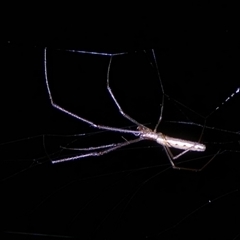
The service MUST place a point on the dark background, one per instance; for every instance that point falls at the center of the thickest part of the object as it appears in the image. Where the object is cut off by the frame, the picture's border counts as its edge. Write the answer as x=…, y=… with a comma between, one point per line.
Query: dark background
x=133, y=192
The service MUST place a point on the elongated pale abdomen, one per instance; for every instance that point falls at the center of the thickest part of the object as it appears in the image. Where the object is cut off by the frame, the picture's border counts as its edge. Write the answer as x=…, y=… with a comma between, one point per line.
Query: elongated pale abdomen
x=180, y=143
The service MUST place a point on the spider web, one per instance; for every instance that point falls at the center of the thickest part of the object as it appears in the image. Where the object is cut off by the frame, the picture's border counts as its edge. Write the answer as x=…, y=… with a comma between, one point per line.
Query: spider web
x=132, y=192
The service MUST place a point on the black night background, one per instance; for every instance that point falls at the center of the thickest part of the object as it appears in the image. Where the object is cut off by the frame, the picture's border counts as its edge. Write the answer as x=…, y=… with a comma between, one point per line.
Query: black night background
x=131, y=193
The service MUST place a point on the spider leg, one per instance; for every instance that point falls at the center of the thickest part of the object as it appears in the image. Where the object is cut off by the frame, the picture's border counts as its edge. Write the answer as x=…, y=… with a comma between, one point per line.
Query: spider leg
x=98, y=153
x=114, y=129
x=163, y=93
x=91, y=148
x=115, y=100
x=171, y=158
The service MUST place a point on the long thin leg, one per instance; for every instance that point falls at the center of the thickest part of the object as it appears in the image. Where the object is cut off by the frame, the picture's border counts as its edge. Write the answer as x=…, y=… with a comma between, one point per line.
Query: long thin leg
x=115, y=100
x=91, y=148
x=76, y=116
x=171, y=158
x=163, y=93
x=96, y=53
x=96, y=154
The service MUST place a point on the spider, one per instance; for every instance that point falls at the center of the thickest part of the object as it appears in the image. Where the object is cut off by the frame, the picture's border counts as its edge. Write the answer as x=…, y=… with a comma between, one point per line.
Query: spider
x=141, y=133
